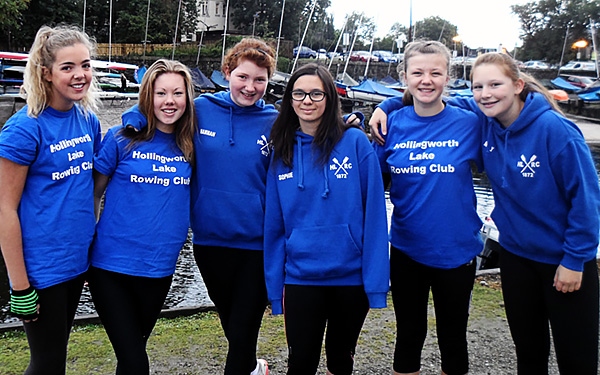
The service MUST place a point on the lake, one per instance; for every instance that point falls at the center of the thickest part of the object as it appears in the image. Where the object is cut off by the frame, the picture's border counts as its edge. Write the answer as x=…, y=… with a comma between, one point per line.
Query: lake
x=188, y=289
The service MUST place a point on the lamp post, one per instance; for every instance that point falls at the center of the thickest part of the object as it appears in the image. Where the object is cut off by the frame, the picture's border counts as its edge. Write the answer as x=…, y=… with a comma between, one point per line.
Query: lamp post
x=458, y=39
x=255, y=16
x=579, y=45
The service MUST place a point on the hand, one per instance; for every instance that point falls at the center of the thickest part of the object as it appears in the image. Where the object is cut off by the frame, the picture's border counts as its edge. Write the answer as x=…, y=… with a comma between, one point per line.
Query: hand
x=352, y=120
x=378, y=122
x=566, y=280
x=24, y=304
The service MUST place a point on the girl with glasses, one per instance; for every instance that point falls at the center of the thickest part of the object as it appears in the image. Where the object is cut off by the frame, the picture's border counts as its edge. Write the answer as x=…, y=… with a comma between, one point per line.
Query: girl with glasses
x=326, y=247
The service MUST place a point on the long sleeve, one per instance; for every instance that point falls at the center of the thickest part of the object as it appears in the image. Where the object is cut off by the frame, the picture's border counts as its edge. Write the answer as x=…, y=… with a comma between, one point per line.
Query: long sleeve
x=376, y=268
x=274, y=244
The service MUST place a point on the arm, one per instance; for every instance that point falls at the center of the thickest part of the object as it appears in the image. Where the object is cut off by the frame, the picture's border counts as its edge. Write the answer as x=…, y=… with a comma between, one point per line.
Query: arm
x=375, y=255
x=100, y=182
x=378, y=121
x=133, y=118
x=575, y=172
x=12, y=182
x=274, y=245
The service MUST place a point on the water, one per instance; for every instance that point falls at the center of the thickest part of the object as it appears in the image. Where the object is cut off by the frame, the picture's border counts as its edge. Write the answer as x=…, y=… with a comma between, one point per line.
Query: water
x=188, y=288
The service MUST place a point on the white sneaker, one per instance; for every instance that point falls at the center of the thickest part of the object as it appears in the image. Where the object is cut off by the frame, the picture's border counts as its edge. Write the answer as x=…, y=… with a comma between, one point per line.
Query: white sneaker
x=262, y=368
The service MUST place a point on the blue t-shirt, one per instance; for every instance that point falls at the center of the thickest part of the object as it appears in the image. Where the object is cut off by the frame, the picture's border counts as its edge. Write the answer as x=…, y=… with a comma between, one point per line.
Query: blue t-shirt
x=56, y=211
x=435, y=220
x=149, y=190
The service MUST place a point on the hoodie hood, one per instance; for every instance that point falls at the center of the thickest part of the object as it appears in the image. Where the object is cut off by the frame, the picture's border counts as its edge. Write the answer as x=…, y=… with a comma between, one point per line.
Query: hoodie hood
x=223, y=99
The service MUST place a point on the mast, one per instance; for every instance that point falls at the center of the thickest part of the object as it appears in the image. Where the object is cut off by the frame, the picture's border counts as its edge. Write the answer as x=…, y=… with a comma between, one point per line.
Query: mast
x=312, y=9
x=279, y=35
x=338, y=41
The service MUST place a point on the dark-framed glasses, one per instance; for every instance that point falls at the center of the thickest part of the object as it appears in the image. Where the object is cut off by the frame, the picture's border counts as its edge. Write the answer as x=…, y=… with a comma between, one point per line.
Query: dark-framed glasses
x=315, y=96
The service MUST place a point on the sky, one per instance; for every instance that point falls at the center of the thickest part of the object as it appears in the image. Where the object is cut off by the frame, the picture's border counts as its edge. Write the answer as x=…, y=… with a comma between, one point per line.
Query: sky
x=480, y=23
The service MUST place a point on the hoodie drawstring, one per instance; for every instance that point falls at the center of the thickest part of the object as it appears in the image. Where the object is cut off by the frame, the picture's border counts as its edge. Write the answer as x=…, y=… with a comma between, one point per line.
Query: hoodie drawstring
x=300, y=164
x=326, y=192
x=231, y=141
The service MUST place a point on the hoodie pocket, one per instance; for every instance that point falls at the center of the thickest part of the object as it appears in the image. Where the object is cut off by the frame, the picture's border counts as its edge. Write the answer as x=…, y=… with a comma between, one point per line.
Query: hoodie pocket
x=226, y=215
x=322, y=252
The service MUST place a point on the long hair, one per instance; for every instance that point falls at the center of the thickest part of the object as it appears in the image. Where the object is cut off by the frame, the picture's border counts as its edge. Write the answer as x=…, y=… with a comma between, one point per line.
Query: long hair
x=426, y=47
x=509, y=68
x=185, y=127
x=329, y=131
x=48, y=41
x=251, y=49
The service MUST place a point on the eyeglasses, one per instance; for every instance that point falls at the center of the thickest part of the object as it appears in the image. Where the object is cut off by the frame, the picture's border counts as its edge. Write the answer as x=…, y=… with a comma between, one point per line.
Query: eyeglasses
x=315, y=96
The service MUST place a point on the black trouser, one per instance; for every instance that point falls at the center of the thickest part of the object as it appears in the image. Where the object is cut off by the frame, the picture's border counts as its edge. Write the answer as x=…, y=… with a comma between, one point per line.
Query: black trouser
x=235, y=282
x=48, y=336
x=451, y=290
x=531, y=302
x=128, y=307
x=308, y=309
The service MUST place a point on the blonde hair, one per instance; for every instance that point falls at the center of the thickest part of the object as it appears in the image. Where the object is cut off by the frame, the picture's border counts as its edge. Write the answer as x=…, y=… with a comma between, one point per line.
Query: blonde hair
x=422, y=47
x=509, y=68
x=186, y=125
x=48, y=41
x=253, y=50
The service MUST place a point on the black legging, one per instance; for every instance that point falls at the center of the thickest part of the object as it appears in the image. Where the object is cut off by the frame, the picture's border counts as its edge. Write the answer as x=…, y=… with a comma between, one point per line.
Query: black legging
x=308, y=310
x=531, y=302
x=235, y=282
x=48, y=336
x=128, y=307
x=451, y=290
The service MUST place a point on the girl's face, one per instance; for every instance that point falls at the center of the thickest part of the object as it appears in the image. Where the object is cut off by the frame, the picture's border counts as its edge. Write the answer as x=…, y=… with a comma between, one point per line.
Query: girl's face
x=309, y=111
x=247, y=83
x=426, y=77
x=70, y=76
x=496, y=94
x=169, y=100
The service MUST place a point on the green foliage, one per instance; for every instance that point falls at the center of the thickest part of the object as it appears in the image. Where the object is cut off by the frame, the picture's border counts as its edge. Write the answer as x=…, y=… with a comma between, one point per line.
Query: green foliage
x=544, y=27
x=11, y=13
x=435, y=28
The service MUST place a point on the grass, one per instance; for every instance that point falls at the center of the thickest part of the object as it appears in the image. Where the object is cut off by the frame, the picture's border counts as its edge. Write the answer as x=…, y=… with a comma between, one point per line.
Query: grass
x=178, y=344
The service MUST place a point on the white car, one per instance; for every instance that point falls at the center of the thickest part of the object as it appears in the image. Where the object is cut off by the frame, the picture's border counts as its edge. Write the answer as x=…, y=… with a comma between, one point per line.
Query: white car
x=579, y=65
x=535, y=64
x=488, y=258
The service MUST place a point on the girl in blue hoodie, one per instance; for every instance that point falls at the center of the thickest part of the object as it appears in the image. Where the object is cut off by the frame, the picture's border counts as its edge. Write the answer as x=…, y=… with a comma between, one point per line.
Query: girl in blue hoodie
x=232, y=154
x=326, y=247
x=547, y=211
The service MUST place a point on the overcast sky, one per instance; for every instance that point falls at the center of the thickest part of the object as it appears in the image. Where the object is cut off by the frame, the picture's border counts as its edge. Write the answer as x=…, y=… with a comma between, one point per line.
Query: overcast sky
x=480, y=23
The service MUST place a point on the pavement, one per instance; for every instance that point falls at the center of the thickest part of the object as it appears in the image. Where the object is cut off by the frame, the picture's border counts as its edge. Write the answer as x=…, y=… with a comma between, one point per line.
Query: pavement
x=589, y=127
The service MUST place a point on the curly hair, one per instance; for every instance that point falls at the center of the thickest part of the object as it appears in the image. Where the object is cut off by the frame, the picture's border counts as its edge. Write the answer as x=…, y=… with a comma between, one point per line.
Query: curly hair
x=251, y=49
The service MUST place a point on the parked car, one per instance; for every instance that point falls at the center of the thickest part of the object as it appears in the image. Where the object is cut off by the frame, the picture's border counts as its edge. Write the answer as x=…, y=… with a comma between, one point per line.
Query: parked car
x=385, y=56
x=322, y=54
x=335, y=55
x=535, y=64
x=579, y=65
x=362, y=56
x=580, y=81
x=305, y=53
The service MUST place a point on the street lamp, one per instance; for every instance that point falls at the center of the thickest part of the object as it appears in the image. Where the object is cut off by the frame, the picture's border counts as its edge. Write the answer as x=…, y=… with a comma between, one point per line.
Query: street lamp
x=579, y=45
x=458, y=39
x=254, y=22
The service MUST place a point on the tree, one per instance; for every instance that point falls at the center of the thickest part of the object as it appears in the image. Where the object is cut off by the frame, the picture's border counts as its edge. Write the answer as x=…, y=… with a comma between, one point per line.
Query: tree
x=544, y=27
x=435, y=28
x=10, y=17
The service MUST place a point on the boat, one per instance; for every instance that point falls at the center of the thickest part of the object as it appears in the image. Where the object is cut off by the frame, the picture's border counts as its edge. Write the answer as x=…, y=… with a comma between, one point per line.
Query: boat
x=201, y=82
x=562, y=84
x=217, y=77
x=371, y=92
x=590, y=94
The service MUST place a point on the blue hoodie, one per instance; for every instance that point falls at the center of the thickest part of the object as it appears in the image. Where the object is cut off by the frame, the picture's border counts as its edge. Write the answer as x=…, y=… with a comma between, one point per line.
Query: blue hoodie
x=545, y=185
x=327, y=224
x=232, y=157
